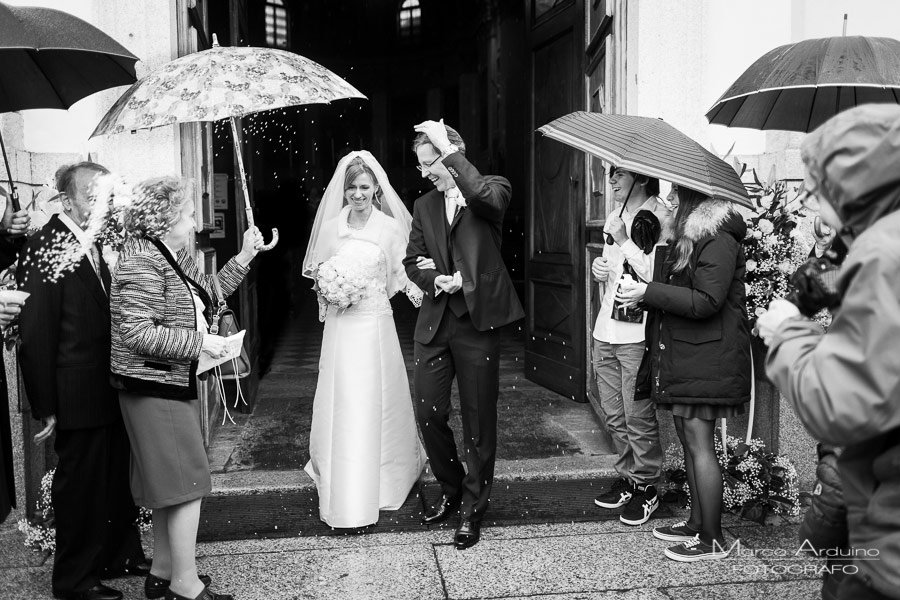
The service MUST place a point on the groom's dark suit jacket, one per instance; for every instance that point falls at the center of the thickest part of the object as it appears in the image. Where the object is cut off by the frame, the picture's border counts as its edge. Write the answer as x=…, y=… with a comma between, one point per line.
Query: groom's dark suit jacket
x=473, y=241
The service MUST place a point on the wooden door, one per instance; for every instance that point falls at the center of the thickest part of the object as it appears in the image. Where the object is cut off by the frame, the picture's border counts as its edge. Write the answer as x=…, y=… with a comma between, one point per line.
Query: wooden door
x=554, y=265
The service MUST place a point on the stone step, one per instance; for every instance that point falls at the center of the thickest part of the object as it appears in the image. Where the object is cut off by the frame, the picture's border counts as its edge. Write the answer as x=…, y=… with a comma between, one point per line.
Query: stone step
x=260, y=511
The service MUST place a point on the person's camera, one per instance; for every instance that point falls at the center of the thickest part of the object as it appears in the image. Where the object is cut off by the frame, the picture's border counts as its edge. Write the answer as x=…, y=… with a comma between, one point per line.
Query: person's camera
x=627, y=314
x=814, y=286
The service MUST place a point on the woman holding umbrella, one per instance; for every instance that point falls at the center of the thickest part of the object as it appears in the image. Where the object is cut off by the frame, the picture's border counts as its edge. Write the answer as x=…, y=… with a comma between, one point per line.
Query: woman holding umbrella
x=158, y=306
x=698, y=359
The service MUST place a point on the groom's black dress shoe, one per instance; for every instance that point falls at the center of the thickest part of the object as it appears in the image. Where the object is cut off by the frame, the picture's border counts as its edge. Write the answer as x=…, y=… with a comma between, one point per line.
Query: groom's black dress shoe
x=442, y=510
x=98, y=592
x=155, y=587
x=140, y=569
x=467, y=534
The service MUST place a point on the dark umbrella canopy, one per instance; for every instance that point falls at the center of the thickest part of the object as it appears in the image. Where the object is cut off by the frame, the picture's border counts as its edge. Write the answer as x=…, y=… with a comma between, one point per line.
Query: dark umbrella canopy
x=797, y=87
x=51, y=59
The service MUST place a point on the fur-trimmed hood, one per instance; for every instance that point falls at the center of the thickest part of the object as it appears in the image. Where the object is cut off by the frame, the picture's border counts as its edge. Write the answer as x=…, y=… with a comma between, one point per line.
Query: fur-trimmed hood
x=712, y=217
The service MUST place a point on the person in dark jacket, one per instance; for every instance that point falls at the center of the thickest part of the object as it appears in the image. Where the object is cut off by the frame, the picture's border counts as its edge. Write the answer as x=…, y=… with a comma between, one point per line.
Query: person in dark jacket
x=12, y=228
x=823, y=531
x=843, y=384
x=697, y=362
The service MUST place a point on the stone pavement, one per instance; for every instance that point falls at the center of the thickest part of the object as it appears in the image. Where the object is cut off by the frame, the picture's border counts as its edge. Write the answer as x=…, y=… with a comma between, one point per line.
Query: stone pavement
x=584, y=561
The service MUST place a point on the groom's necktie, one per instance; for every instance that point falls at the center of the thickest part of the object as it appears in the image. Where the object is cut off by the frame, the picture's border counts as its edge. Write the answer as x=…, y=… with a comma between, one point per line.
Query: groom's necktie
x=451, y=201
x=456, y=301
x=95, y=262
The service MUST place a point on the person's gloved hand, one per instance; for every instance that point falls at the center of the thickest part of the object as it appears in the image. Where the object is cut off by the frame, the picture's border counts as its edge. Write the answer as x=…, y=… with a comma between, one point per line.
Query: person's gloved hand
x=779, y=311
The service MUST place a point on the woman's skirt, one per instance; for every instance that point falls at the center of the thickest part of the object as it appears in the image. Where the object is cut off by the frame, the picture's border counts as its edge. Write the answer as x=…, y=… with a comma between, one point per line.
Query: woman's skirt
x=168, y=461
x=709, y=412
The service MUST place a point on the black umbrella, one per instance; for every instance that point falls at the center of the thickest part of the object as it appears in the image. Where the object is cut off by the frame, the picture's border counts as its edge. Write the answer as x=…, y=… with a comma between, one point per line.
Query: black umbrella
x=799, y=86
x=51, y=59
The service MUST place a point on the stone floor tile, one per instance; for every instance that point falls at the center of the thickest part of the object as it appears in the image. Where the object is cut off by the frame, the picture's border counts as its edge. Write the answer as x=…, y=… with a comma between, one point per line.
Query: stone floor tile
x=569, y=564
x=13, y=552
x=764, y=590
x=638, y=594
x=402, y=573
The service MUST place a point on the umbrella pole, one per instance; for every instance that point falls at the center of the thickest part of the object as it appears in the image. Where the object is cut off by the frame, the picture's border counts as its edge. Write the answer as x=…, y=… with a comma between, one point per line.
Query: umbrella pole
x=609, y=239
x=13, y=193
x=243, y=175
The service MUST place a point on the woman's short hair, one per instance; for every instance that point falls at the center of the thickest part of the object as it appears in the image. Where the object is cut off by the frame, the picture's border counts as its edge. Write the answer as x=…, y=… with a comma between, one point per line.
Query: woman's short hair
x=156, y=206
x=421, y=139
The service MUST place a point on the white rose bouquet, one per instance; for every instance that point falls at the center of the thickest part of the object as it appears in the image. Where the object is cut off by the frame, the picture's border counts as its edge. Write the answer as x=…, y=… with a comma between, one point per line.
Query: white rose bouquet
x=341, y=281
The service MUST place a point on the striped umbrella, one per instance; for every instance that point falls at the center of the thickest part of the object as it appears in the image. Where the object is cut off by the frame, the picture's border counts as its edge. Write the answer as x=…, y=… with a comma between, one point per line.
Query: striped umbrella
x=651, y=147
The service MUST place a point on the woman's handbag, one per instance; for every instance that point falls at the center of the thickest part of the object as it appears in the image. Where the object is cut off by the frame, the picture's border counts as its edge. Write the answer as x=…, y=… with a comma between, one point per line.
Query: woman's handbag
x=224, y=323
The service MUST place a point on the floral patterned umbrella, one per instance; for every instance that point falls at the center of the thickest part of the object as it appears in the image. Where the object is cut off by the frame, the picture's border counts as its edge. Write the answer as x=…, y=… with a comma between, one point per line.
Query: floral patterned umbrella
x=224, y=83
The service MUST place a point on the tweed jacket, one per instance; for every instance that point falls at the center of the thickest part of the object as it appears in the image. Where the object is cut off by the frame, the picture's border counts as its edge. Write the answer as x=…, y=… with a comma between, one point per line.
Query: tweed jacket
x=155, y=337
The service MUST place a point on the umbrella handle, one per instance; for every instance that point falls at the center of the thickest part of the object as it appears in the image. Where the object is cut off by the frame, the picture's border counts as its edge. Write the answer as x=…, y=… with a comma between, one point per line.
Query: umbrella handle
x=243, y=176
x=271, y=244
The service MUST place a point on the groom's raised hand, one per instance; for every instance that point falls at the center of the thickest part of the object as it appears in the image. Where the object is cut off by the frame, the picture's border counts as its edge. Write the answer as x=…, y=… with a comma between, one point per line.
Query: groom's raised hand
x=436, y=132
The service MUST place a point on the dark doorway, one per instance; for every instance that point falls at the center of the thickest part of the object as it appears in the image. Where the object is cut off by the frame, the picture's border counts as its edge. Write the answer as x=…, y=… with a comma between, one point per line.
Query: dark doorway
x=461, y=61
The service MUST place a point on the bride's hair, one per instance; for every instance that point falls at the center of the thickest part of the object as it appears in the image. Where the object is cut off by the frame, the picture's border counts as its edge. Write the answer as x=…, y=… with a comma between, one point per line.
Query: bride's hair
x=357, y=167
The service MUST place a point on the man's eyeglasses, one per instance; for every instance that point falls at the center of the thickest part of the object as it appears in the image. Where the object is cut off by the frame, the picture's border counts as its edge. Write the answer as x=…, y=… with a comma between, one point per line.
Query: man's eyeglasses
x=809, y=201
x=427, y=166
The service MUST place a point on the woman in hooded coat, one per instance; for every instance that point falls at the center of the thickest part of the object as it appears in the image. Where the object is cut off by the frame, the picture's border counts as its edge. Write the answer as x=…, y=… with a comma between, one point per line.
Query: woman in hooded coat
x=844, y=385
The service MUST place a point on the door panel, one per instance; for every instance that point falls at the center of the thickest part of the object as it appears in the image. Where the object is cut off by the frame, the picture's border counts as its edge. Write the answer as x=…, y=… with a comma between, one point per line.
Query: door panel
x=554, y=281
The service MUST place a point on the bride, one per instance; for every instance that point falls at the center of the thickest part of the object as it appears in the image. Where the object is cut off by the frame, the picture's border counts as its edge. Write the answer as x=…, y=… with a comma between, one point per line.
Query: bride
x=364, y=448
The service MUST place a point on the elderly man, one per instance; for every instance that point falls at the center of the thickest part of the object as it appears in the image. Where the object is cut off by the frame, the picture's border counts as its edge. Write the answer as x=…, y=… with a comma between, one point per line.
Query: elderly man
x=65, y=348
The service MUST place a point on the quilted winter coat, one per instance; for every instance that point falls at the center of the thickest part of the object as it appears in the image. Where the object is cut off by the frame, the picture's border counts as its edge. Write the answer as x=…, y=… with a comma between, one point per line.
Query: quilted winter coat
x=698, y=336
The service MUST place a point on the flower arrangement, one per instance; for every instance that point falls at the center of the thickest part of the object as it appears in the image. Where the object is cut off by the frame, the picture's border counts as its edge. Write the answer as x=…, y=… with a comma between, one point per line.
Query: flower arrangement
x=343, y=279
x=774, y=247
x=756, y=482
x=40, y=532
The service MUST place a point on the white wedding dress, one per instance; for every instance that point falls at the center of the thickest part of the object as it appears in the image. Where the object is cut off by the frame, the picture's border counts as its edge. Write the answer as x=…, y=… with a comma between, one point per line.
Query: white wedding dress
x=364, y=448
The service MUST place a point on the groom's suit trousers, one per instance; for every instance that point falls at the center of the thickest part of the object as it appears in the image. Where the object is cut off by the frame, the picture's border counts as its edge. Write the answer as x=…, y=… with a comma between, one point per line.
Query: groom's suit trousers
x=473, y=357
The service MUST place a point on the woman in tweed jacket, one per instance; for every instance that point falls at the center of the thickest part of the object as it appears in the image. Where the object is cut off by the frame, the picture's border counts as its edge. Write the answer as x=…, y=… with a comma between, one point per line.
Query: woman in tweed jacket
x=159, y=303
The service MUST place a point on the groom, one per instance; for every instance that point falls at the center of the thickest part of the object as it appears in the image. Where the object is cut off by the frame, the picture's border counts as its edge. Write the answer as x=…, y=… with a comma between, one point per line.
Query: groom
x=454, y=257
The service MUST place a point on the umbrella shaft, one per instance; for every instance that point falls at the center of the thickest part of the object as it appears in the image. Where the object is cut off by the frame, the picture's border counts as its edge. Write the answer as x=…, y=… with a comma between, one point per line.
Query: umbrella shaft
x=13, y=194
x=243, y=175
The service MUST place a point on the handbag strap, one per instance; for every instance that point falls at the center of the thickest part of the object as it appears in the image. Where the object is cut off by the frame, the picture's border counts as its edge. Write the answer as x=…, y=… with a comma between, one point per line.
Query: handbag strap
x=217, y=289
x=220, y=299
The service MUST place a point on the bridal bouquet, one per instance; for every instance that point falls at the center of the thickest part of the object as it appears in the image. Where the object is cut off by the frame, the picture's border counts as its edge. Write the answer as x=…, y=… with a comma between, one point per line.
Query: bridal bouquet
x=342, y=280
